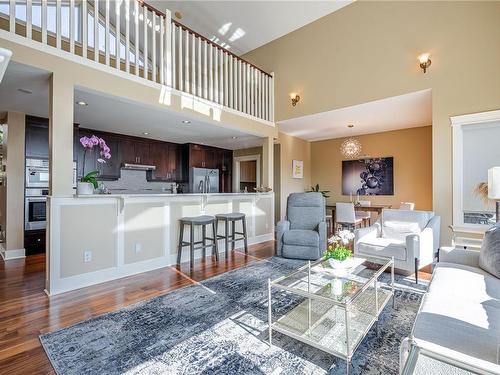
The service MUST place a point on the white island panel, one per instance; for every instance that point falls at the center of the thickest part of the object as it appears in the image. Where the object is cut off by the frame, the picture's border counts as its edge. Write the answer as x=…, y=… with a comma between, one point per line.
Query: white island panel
x=130, y=234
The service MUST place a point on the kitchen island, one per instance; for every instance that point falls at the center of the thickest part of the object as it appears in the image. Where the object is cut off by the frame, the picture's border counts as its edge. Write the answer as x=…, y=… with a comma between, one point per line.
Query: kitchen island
x=98, y=238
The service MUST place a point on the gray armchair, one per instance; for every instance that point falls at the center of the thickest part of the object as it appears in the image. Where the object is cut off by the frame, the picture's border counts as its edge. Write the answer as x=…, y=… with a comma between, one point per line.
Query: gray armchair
x=302, y=235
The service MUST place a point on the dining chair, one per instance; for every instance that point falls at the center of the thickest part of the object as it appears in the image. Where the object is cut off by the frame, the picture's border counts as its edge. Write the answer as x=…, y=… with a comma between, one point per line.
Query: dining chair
x=407, y=206
x=345, y=216
x=365, y=216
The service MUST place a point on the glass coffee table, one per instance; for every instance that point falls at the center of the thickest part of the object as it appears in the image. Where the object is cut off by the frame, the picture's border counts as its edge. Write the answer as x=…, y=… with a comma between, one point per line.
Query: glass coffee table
x=334, y=308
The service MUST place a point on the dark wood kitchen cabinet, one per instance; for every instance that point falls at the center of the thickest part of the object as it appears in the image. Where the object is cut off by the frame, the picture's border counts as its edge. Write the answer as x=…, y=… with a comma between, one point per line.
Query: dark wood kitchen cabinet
x=166, y=158
x=37, y=137
x=135, y=151
x=202, y=156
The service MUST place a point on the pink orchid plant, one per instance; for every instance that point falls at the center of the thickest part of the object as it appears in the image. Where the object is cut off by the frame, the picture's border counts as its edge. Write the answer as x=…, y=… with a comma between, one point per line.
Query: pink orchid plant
x=88, y=144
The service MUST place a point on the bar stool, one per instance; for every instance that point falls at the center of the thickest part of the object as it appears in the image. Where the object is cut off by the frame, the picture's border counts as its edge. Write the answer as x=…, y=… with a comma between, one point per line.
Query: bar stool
x=192, y=222
x=231, y=238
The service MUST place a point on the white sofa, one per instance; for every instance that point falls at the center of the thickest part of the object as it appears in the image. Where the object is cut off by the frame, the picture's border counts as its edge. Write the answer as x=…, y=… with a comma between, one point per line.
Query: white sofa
x=459, y=318
x=411, y=237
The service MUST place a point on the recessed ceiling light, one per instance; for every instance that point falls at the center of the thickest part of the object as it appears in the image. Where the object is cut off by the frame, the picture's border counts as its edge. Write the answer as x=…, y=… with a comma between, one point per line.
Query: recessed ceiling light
x=145, y=133
x=186, y=122
x=82, y=103
x=25, y=91
x=234, y=137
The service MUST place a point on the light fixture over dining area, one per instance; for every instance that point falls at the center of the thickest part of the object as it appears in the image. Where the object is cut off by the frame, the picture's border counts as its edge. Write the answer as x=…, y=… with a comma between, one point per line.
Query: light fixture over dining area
x=351, y=147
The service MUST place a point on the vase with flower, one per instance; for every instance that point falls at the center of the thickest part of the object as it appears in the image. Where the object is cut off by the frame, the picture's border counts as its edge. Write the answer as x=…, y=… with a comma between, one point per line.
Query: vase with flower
x=338, y=254
x=88, y=182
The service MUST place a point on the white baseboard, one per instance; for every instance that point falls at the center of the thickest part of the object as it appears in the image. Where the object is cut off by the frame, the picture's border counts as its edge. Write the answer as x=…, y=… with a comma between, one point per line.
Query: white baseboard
x=12, y=254
x=80, y=281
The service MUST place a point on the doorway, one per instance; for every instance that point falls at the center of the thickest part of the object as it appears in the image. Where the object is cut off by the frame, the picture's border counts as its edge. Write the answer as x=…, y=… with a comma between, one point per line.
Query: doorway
x=246, y=173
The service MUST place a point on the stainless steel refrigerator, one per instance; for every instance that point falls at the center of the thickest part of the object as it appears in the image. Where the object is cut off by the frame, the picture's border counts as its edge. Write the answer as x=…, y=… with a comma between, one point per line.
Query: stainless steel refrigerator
x=203, y=180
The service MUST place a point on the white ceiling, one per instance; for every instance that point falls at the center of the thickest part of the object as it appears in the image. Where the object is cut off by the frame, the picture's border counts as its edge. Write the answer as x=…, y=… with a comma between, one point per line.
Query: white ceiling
x=246, y=25
x=114, y=114
x=398, y=112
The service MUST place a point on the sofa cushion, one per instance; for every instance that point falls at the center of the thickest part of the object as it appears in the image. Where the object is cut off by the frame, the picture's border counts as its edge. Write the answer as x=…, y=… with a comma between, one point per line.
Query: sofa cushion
x=464, y=282
x=467, y=329
x=489, y=257
x=397, y=224
x=461, y=312
x=301, y=237
x=383, y=247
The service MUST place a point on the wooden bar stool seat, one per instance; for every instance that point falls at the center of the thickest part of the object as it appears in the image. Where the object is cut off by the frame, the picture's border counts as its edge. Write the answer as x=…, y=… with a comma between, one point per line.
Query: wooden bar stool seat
x=204, y=221
x=232, y=218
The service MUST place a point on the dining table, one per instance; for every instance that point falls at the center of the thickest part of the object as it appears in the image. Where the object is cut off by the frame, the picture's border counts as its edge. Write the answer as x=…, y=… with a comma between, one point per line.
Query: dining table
x=358, y=207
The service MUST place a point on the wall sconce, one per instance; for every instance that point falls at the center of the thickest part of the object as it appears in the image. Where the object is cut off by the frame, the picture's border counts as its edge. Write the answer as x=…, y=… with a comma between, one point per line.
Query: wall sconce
x=295, y=99
x=425, y=61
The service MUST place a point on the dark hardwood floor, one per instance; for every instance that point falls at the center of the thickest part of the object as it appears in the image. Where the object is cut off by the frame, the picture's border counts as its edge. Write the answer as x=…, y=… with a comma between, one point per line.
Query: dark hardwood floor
x=26, y=311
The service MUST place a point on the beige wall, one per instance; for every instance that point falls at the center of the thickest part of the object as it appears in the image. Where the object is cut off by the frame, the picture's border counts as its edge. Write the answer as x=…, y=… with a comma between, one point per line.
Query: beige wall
x=412, y=152
x=14, y=215
x=293, y=148
x=368, y=51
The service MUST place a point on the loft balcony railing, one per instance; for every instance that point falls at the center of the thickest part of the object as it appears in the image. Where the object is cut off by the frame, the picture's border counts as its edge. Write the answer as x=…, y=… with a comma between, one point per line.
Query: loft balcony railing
x=150, y=45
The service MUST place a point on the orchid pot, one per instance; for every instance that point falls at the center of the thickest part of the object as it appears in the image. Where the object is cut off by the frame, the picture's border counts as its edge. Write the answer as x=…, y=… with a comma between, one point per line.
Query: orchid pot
x=88, y=182
x=337, y=253
x=84, y=188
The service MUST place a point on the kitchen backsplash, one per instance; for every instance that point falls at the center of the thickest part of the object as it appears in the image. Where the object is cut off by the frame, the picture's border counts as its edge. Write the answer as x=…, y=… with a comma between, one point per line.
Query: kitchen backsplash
x=135, y=180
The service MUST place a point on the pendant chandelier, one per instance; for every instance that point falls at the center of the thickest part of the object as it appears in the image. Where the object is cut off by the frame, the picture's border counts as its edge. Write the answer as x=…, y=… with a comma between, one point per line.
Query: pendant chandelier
x=351, y=147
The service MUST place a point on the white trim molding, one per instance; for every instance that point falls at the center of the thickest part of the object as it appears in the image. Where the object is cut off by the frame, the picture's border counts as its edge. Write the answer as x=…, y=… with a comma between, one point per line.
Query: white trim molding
x=457, y=124
x=12, y=254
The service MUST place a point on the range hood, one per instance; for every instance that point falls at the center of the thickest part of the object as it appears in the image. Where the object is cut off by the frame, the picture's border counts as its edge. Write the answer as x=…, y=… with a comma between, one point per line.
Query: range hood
x=138, y=167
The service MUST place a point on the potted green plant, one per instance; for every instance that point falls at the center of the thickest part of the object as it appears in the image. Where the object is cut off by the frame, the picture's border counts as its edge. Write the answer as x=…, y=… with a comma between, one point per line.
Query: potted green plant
x=316, y=189
x=337, y=253
x=88, y=182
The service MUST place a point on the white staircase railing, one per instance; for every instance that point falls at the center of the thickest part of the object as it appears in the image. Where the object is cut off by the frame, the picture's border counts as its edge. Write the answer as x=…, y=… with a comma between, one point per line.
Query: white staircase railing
x=150, y=45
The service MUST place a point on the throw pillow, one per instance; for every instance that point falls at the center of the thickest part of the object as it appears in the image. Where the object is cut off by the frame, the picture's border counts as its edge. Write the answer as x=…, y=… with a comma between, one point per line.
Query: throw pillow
x=489, y=257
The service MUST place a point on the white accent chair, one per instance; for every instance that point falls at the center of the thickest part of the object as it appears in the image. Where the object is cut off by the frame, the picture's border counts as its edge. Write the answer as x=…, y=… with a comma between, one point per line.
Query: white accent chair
x=407, y=206
x=411, y=237
x=345, y=216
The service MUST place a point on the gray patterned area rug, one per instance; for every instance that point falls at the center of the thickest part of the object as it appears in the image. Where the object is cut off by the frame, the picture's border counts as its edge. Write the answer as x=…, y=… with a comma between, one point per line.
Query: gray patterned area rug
x=219, y=326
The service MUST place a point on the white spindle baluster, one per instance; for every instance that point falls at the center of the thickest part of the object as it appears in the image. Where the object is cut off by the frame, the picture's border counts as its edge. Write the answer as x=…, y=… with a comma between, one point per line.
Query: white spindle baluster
x=266, y=97
x=71, y=26
x=181, y=61
x=259, y=93
x=222, y=94
x=226, y=79
x=244, y=91
x=107, y=33
x=186, y=62
x=216, y=74
x=136, y=37
x=169, y=64
x=237, y=84
x=58, y=24
x=210, y=73
x=272, y=98
x=198, y=77
x=174, y=84
x=153, y=48
x=12, y=16
x=96, y=30
x=252, y=91
x=193, y=64
x=205, y=69
x=230, y=74
x=145, y=45
x=127, y=36
x=163, y=40
x=84, y=25
x=117, y=35
x=29, y=18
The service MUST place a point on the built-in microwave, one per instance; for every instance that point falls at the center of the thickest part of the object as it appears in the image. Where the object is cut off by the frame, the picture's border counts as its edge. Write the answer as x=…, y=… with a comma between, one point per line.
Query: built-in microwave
x=37, y=173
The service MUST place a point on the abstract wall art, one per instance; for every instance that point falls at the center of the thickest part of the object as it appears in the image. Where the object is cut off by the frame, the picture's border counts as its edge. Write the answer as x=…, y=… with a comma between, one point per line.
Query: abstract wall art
x=371, y=176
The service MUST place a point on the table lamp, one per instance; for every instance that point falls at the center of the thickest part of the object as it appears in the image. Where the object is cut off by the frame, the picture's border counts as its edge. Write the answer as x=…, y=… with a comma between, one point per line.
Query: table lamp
x=494, y=188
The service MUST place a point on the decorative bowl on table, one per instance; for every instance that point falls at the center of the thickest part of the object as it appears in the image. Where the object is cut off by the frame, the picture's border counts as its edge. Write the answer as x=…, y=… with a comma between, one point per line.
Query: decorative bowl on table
x=341, y=264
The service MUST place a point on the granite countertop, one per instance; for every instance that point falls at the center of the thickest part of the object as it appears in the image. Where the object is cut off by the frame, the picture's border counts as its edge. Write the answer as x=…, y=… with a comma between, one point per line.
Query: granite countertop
x=129, y=195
